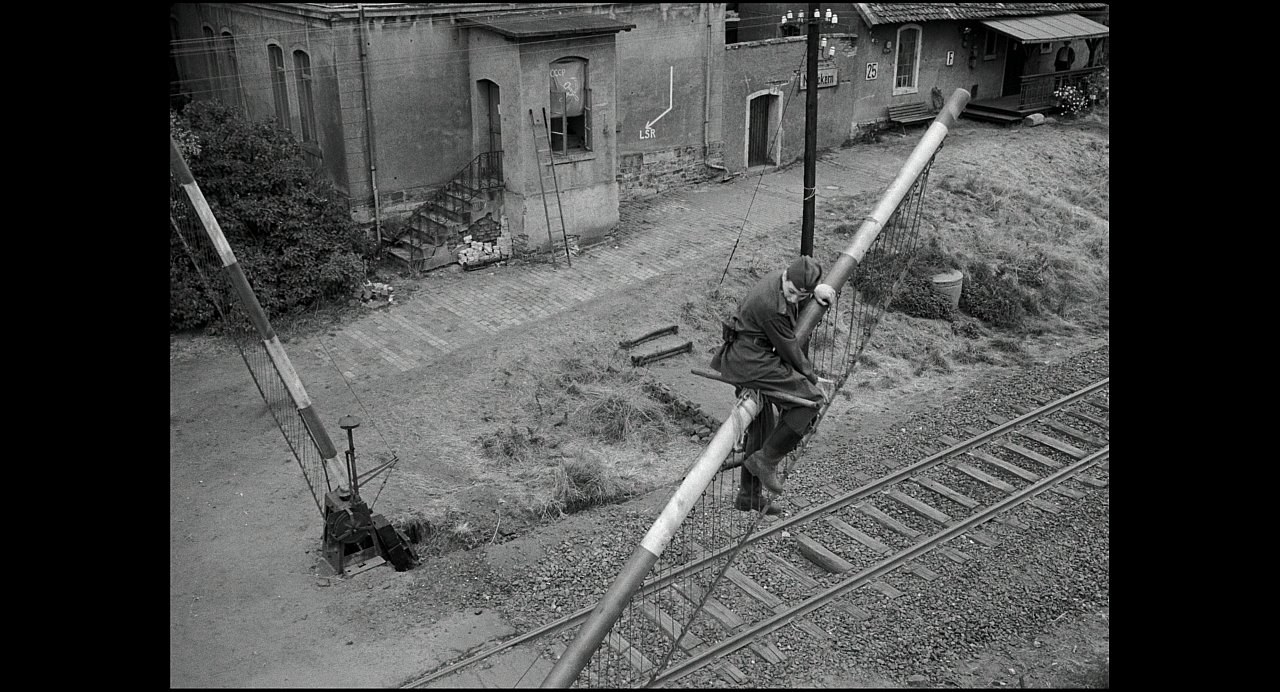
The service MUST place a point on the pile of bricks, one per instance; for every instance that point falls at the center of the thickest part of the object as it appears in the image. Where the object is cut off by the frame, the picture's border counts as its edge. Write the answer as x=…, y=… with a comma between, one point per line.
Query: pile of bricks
x=475, y=252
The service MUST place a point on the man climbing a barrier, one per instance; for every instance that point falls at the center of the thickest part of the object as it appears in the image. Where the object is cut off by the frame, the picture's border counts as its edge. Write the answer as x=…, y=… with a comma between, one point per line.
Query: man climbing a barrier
x=761, y=351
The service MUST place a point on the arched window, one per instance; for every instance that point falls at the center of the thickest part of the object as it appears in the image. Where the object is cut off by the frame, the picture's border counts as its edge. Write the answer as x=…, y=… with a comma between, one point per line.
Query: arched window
x=213, y=79
x=279, y=89
x=570, y=117
x=907, y=66
x=177, y=91
x=306, y=107
x=231, y=70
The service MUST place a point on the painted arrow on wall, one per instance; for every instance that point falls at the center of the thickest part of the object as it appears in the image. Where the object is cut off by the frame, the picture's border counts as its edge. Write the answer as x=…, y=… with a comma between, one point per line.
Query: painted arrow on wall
x=670, y=91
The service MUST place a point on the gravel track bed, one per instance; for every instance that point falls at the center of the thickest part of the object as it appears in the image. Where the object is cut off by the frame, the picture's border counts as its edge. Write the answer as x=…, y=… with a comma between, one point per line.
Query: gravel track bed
x=1057, y=567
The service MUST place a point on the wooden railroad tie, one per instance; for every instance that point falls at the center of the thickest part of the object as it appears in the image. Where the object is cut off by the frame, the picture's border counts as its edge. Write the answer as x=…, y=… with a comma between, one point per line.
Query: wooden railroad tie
x=686, y=347
x=632, y=343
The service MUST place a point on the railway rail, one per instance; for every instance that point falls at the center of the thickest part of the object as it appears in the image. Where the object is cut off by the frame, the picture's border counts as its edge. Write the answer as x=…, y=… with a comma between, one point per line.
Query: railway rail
x=748, y=592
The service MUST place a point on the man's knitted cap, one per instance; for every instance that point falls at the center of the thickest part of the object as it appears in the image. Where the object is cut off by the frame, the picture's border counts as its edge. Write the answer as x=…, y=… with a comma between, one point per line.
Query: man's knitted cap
x=805, y=273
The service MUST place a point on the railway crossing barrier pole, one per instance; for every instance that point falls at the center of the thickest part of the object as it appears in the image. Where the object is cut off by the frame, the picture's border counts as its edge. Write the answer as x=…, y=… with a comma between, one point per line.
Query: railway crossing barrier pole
x=609, y=609
x=867, y=233
x=240, y=283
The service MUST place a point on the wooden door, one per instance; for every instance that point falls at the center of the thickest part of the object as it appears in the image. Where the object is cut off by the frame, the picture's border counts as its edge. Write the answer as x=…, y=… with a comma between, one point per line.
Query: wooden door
x=758, y=132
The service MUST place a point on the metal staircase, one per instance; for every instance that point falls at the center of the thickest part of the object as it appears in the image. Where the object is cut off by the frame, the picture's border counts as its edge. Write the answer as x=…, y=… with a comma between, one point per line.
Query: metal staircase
x=427, y=238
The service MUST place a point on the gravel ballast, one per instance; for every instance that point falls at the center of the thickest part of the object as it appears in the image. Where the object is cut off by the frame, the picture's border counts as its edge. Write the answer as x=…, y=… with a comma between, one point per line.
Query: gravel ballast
x=1055, y=569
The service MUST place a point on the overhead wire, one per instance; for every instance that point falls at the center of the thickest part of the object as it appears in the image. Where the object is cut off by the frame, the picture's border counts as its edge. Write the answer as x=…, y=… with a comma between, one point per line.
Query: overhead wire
x=795, y=88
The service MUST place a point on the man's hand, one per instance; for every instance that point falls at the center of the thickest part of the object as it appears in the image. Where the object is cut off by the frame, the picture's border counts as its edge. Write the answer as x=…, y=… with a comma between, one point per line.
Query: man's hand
x=824, y=294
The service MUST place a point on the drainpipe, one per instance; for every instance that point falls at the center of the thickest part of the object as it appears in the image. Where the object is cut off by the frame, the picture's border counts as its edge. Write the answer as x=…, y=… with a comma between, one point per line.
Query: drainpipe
x=706, y=101
x=368, y=127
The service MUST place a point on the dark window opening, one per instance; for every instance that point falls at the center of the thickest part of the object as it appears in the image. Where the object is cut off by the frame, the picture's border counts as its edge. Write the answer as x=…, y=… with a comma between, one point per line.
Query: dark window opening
x=570, y=116
x=279, y=89
x=989, y=46
x=212, y=78
x=232, y=71
x=306, y=108
x=178, y=97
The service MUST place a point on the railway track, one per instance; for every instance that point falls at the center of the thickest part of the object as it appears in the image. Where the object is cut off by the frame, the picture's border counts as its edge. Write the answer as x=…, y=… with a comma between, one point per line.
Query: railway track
x=692, y=616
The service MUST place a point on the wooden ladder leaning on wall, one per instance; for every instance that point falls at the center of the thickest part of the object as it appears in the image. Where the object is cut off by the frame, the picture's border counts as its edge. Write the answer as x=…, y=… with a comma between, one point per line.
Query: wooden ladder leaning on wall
x=547, y=169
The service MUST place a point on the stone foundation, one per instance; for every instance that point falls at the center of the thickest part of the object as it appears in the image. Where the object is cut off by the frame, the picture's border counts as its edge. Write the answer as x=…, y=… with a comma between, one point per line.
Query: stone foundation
x=649, y=173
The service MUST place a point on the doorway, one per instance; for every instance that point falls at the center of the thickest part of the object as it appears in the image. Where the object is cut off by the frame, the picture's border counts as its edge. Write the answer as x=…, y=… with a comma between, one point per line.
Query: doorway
x=490, y=135
x=762, y=111
x=1014, y=62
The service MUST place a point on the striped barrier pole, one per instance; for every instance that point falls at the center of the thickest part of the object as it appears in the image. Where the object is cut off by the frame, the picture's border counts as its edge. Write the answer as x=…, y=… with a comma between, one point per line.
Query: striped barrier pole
x=641, y=562
x=334, y=470
x=609, y=609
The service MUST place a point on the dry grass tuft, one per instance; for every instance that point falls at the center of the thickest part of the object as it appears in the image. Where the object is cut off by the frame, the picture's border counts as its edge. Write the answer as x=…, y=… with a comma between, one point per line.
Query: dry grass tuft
x=619, y=414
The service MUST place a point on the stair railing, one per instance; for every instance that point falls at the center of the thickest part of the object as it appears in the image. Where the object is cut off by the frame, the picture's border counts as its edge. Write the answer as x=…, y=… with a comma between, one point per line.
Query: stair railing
x=482, y=173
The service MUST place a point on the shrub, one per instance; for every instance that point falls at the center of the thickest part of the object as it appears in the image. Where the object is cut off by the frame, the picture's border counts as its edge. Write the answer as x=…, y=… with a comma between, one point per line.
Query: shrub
x=993, y=297
x=876, y=275
x=1098, y=85
x=918, y=298
x=915, y=295
x=292, y=235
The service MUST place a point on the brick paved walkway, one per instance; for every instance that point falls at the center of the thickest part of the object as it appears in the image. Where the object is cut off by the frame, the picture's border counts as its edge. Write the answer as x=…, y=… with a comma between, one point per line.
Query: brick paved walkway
x=690, y=228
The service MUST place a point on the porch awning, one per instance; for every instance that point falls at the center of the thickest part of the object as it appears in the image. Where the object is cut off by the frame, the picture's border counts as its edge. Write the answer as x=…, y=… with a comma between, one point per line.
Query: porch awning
x=1047, y=28
x=548, y=26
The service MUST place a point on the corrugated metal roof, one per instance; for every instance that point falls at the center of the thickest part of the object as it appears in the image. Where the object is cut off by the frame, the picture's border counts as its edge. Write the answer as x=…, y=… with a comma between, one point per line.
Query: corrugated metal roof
x=1054, y=27
x=896, y=13
x=527, y=26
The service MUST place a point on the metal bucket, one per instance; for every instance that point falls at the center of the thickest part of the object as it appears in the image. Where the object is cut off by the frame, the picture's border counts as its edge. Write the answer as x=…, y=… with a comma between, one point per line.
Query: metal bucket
x=949, y=284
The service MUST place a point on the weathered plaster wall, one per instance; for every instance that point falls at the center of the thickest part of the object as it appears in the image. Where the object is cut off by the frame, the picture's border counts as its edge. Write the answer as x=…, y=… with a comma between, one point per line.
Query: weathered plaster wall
x=421, y=95
x=588, y=192
x=669, y=96
x=776, y=65
x=937, y=38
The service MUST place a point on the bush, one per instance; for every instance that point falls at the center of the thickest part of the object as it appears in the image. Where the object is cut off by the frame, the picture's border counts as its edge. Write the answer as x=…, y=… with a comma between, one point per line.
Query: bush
x=1075, y=99
x=993, y=297
x=916, y=295
x=292, y=235
x=918, y=298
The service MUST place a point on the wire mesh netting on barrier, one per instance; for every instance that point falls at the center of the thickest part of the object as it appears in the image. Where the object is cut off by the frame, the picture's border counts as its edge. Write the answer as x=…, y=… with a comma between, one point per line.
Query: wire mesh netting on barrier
x=189, y=231
x=675, y=615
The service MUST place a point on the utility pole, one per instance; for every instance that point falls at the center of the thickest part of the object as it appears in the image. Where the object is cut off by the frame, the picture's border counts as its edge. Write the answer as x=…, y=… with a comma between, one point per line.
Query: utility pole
x=810, y=132
x=814, y=19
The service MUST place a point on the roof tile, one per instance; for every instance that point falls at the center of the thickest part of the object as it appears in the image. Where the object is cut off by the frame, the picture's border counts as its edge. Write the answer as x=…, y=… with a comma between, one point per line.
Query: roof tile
x=895, y=13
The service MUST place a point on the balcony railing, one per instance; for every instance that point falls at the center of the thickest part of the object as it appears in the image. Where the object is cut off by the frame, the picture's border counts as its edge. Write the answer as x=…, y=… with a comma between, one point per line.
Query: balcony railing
x=1037, y=89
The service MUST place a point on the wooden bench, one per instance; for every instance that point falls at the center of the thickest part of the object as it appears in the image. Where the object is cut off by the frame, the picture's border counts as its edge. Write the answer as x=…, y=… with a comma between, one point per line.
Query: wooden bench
x=909, y=114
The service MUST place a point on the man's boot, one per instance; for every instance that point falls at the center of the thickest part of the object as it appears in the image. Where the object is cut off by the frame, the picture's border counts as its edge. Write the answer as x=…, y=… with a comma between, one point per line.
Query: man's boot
x=750, y=498
x=764, y=463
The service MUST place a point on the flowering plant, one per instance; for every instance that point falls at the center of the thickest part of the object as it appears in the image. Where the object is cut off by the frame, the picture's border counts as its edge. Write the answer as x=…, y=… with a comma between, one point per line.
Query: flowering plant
x=1072, y=99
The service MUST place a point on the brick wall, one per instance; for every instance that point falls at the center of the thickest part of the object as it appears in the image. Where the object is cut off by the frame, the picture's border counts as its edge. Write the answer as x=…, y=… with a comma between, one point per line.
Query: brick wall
x=649, y=173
